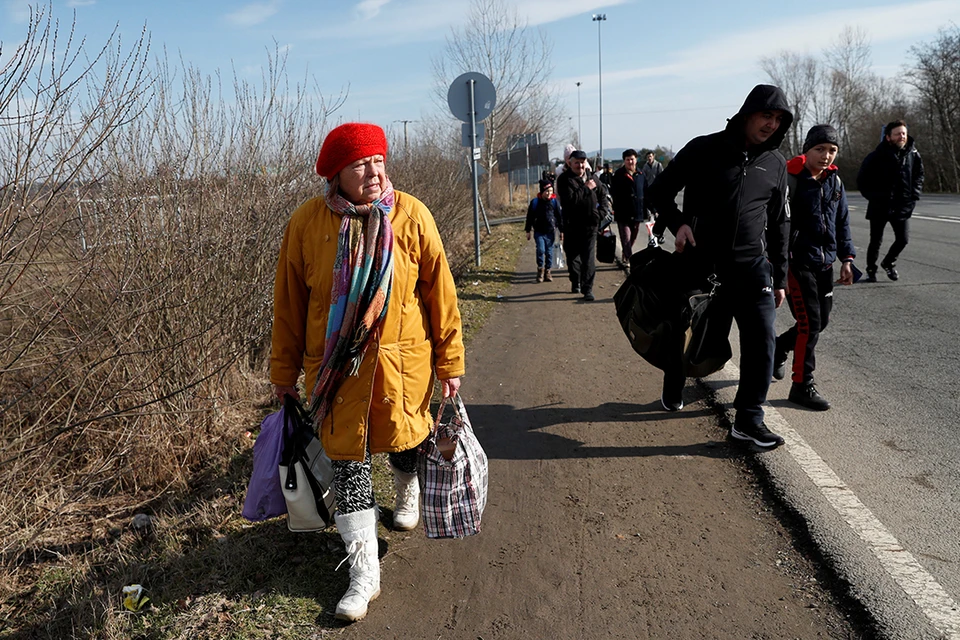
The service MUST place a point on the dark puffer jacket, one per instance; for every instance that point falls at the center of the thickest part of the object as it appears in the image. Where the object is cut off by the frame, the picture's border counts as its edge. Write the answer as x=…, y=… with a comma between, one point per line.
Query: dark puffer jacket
x=627, y=192
x=819, y=218
x=735, y=197
x=891, y=180
x=543, y=216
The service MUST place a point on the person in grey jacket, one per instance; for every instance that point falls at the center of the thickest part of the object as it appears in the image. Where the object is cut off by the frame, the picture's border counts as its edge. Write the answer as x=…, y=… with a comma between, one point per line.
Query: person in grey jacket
x=651, y=169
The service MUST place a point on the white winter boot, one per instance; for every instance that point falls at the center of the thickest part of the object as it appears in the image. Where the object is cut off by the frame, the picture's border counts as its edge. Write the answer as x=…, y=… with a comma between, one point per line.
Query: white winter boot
x=359, y=533
x=406, y=513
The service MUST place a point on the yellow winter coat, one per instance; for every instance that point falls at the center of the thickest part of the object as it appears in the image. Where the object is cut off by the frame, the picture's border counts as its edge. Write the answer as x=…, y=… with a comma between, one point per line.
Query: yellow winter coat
x=421, y=335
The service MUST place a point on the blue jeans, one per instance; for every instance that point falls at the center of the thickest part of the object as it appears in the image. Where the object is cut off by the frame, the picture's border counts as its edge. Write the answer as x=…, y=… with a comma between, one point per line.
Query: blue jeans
x=544, y=249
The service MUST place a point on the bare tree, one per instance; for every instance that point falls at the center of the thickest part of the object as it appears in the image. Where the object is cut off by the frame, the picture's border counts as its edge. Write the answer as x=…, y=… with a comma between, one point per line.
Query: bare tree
x=498, y=43
x=799, y=76
x=936, y=77
x=848, y=62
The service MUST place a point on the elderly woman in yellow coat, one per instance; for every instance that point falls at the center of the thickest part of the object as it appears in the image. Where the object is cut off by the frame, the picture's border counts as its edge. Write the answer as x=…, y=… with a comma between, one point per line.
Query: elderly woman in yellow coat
x=365, y=305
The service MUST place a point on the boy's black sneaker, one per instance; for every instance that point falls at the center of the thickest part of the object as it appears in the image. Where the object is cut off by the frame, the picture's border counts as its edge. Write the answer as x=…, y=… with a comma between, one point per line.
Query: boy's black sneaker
x=588, y=296
x=757, y=434
x=671, y=396
x=806, y=395
x=871, y=274
x=779, y=365
x=574, y=288
x=891, y=271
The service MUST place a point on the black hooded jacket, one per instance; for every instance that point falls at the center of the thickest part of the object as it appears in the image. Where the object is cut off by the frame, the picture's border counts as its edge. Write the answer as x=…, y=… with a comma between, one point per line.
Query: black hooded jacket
x=891, y=180
x=734, y=197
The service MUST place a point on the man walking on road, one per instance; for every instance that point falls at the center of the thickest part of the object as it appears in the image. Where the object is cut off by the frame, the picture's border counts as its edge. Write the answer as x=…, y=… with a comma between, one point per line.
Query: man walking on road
x=891, y=179
x=735, y=223
x=581, y=217
x=626, y=188
x=651, y=169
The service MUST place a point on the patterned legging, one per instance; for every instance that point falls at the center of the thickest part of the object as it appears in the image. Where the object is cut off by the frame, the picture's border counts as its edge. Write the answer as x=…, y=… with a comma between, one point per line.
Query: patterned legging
x=353, y=481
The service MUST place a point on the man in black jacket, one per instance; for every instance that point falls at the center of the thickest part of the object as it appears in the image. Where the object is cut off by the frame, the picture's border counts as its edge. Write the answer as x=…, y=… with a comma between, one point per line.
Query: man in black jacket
x=891, y=179
x=734, y=223
x=581, y=218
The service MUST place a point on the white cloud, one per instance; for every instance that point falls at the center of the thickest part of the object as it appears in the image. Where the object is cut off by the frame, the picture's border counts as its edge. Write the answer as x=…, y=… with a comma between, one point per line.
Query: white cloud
x=370, y=8
x=727, y=55
x=253, y=13
x=80, y=3
x=546, y=11
x=432, y=19
x=18, y=11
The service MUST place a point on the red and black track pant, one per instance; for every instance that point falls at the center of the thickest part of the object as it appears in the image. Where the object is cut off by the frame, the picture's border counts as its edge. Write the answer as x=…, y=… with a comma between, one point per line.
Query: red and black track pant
x=810, y=301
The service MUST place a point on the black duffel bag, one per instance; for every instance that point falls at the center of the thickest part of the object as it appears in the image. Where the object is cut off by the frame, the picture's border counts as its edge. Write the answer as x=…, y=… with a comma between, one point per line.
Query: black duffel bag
x=668, y=312
x=606, y=246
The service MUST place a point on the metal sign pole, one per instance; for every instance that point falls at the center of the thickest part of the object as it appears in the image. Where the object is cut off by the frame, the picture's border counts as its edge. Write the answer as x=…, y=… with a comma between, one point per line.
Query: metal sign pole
x=509, y=176
x=473, y=156
x=526, y=152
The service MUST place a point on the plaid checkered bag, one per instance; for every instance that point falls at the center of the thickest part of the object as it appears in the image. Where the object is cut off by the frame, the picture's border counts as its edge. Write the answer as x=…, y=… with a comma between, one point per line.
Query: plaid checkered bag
x=452, y=469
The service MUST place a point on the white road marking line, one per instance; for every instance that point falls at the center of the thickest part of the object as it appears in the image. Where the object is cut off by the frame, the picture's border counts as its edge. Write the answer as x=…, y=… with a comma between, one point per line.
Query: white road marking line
x=938, y=218
x=900, y=564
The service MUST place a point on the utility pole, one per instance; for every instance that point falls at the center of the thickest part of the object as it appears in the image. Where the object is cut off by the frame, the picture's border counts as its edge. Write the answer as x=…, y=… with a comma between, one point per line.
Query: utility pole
x=405, y=143
x=579, y=121
x=598, y=18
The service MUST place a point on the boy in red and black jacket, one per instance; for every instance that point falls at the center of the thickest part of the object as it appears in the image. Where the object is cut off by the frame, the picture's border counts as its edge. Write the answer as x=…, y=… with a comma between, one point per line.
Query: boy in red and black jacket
x=819, y=235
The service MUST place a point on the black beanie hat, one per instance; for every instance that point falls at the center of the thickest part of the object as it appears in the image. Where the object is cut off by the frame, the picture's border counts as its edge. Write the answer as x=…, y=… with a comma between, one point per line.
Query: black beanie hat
x=818, y=134
x=544, y=184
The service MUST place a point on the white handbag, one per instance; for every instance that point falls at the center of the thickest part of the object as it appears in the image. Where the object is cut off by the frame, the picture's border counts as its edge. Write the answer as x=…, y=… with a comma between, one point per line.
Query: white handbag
x=306, y=475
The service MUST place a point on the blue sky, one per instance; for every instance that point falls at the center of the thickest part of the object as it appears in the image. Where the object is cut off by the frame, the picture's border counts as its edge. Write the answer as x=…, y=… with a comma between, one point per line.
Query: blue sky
x=671, y=69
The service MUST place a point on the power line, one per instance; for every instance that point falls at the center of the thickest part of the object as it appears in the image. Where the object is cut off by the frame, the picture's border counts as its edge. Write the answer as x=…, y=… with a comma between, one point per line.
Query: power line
x=634, y=113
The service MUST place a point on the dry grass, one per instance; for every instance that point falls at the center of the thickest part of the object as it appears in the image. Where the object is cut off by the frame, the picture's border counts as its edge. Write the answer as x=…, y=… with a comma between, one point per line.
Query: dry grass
x=141, y=210
x=209, y=573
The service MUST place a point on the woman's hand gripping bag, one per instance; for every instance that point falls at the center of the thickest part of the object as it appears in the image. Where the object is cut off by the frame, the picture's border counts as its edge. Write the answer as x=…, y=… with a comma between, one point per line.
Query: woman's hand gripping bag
x=452, y=468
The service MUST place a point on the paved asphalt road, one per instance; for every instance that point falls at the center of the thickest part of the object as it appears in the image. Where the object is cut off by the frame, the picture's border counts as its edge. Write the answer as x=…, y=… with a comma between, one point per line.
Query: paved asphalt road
x=890, y=364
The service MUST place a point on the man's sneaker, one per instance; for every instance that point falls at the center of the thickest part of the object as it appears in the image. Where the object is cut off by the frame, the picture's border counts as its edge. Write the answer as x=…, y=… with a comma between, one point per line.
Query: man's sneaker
x=779, y=365
x=891, y=270
x=574, y=288
x=757, y=434
x=871, y=274
x=588, y=296
x=652, y=242
x=671, y=396
x=806, y=395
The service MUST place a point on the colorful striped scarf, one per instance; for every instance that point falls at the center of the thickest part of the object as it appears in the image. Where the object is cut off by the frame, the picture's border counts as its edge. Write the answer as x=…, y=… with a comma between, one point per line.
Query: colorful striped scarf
x=362, y=280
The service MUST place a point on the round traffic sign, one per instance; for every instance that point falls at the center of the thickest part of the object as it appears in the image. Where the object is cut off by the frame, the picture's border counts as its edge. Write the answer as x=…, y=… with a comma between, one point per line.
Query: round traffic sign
x=484, y=96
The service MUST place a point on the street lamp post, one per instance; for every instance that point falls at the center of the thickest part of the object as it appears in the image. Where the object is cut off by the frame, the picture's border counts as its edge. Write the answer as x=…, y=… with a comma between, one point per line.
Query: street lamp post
x=598, y=18
x=579, y=121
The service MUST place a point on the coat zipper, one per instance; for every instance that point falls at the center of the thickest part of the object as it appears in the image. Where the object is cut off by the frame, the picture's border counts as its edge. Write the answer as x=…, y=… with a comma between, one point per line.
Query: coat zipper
x=743, y=175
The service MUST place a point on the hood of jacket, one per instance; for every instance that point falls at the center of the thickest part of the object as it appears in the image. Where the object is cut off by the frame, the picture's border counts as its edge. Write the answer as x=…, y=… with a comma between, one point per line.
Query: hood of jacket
x=796, y=164
x=763, y=97
x=886, y=146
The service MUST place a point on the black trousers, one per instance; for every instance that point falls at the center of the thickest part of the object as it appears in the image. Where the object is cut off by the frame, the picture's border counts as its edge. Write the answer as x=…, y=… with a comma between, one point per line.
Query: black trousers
x=810, y=300
x=580, y=245
x=901, y=236
x=746, y=295
x=353, y=481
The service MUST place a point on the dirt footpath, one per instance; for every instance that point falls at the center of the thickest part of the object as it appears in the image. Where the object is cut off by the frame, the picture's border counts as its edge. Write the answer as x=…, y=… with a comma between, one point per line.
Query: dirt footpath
x=607, y=517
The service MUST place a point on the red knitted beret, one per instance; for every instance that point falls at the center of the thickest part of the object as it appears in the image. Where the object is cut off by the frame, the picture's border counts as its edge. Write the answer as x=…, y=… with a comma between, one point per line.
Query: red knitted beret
x=347, y=143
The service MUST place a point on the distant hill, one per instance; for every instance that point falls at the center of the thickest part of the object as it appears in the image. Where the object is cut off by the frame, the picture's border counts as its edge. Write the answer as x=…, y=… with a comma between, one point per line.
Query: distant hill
x=609, y=153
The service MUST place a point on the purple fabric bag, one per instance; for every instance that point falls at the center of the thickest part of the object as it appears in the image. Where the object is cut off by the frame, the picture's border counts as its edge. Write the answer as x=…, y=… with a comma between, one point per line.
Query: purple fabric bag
x=265, y=494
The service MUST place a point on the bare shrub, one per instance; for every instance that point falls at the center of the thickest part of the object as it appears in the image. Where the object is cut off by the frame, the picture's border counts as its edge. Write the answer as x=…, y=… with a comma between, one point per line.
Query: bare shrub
x=141, y=215
x=434, y=169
